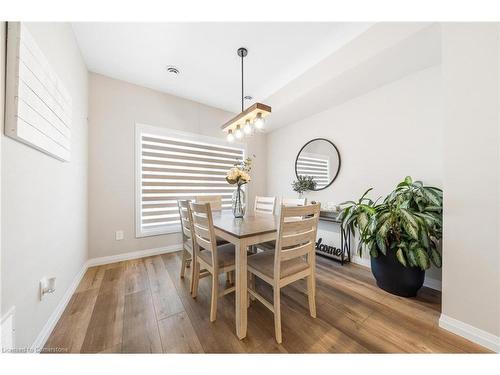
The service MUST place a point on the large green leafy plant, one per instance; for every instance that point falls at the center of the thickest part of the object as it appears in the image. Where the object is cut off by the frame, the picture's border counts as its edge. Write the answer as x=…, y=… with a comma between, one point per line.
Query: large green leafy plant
x=409, y=222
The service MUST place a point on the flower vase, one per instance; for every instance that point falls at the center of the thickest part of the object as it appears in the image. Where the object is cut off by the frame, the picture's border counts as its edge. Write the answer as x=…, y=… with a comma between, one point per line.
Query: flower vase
x=238, y=202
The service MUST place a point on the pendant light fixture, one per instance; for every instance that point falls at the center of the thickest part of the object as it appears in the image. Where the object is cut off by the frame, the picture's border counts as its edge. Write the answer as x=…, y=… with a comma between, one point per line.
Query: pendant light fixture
x=249, y=119
x=247, y=128
x=238, y=133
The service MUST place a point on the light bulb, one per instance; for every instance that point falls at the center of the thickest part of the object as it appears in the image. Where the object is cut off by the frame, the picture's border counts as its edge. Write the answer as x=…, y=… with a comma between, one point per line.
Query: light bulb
x=259, y=121
x=248, y=127
x=230, y=136
x=238, y=133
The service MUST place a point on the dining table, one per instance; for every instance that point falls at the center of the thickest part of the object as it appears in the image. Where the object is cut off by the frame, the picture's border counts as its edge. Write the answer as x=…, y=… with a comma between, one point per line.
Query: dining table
x=244, y=232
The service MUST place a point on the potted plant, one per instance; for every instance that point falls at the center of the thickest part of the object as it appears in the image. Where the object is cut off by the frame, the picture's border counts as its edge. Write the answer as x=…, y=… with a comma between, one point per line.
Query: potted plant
x=239, y=175
x=303, y=184
x=402, y=234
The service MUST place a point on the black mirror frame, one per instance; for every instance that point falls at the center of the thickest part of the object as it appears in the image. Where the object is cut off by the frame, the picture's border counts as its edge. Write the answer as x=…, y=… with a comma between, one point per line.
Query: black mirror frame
x=338, y=154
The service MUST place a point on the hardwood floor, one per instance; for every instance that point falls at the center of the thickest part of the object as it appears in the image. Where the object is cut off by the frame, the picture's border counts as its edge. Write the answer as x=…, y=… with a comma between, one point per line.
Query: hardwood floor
x=143, y=306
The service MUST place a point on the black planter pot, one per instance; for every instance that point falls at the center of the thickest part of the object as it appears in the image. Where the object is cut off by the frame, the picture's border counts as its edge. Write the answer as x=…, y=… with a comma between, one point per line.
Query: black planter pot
x=394, y=278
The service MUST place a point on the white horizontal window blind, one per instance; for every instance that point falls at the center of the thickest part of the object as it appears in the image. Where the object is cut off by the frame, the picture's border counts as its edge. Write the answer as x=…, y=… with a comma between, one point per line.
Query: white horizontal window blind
x=176, y=167
x=316, y=166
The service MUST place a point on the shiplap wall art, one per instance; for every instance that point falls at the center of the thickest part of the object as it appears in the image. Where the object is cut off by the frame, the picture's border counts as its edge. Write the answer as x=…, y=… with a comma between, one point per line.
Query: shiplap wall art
x=38, y=106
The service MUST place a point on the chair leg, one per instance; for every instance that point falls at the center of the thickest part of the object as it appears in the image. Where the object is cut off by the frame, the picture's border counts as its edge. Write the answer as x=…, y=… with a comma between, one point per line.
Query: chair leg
x=311, y=295
x=277, y=313
x=249, y=278
x=183, y=263
x=251, y=285
x=196, y=278
x=193, y=270
x=215, y=296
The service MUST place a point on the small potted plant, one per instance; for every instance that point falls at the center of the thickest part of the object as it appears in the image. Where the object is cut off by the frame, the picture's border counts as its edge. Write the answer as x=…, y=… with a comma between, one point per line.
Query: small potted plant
x=303, y=184
x=239, y=175
x=401, y=234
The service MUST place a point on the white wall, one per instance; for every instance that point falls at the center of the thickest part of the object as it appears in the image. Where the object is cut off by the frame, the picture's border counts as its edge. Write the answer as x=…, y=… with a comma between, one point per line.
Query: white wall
x=114, y=108
x=471, y=274
x=3, y=53
x=44, y=201
x=382, y=136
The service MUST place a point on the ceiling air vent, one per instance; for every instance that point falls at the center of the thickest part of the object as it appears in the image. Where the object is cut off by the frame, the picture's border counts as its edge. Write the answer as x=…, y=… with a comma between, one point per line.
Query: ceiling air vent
x=172, y=69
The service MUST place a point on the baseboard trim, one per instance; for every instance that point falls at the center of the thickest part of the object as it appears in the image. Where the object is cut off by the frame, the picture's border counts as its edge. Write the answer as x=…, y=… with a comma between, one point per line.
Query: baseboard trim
x=56, y=314
x=470, y=332
x=132, y=255
x=47, y=329
x=433, y=284
x=365, y=262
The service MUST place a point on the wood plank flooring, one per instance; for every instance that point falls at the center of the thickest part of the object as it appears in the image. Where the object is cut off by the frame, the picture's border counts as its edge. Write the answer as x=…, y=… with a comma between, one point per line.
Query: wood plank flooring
x=143, y=306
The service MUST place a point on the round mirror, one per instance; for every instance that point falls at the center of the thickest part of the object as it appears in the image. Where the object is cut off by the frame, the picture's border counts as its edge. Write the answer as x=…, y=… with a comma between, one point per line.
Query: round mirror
x=319, y=159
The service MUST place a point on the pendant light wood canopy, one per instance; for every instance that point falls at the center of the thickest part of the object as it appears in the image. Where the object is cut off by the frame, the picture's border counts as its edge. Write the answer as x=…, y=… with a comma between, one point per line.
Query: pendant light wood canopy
x=250, y=119
x=248, y=114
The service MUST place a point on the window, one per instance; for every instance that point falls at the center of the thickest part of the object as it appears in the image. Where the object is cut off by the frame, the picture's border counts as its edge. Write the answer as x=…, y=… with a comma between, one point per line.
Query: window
x=316, y=166
x=174, y=165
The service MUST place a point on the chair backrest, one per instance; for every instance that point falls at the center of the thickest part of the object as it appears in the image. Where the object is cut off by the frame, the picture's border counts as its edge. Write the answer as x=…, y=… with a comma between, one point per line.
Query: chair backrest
x=294, y=201
x=296, y=234
x=214, y=200
x=186, y=221
x=203, y=228
x=265, y=205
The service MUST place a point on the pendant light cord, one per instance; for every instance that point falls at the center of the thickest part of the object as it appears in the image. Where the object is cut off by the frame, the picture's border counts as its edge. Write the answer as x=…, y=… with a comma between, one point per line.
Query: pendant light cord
x=242, y=92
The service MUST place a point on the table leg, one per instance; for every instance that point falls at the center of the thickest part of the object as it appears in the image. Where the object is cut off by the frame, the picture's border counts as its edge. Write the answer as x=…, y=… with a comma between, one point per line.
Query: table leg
x=241, y=290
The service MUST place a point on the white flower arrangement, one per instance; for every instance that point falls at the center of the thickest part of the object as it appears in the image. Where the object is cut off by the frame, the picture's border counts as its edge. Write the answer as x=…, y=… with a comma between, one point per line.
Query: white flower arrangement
x=240, y=173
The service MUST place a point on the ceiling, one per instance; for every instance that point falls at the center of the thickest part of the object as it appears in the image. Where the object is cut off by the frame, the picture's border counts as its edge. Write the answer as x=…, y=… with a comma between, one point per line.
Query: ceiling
x=205, y=53
x=383, y=54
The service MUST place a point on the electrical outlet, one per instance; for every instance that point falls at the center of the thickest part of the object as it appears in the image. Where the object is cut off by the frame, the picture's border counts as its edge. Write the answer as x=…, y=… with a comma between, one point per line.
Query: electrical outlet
x=119, y=235
x=47, y=285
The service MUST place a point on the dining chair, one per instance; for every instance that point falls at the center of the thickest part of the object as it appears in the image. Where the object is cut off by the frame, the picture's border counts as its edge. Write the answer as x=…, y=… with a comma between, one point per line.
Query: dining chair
x=207, y=255
x=293, y=259
x=264, y=205
x=187, y=238
x=214, y=200
x=294, y=201
x=288, y=202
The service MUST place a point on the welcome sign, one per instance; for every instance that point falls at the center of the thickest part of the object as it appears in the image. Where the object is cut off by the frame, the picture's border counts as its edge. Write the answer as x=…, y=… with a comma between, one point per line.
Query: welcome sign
x=328, y=250
x=333, y=242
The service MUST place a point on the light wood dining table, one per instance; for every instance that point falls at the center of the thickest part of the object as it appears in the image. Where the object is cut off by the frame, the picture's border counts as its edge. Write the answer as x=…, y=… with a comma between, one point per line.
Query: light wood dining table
x=244, y=232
